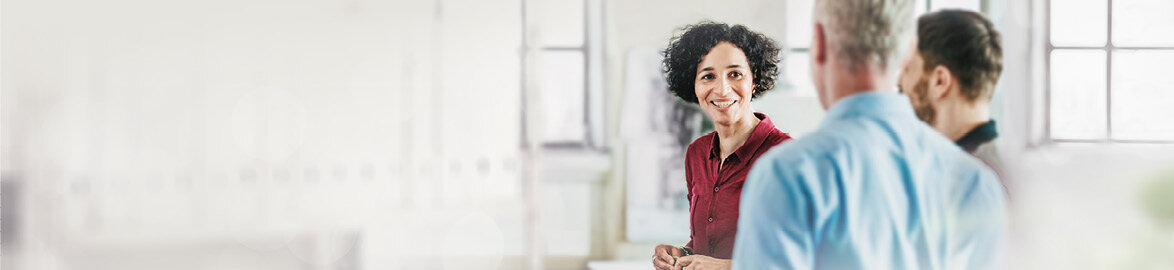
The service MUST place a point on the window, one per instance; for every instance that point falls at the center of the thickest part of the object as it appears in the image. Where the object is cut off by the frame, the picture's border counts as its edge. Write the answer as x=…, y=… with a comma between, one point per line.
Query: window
x=796, y=64
x=562, y=42
x=1104, y=75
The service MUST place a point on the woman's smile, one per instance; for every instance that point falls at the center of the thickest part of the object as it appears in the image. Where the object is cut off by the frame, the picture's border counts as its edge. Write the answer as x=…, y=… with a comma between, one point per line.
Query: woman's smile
x=723, y=104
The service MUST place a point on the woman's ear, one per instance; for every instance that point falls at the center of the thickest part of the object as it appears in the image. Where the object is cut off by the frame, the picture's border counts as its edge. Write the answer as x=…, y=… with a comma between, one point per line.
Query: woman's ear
x=941, y=83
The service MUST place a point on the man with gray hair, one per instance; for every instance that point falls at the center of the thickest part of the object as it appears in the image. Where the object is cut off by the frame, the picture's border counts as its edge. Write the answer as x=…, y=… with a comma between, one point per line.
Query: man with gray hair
x=873, y=187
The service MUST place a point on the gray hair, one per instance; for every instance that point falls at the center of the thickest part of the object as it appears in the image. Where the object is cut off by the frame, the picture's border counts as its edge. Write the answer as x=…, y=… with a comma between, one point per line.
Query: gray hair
x=868, y=31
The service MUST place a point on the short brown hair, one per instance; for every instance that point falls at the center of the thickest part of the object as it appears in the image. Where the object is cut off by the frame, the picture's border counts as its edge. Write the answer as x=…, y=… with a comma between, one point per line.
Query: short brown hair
x=967, y=44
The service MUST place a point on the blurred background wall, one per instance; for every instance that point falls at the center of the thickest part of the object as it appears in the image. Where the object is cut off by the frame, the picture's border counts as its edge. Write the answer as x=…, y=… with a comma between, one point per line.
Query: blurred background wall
x=462, y=134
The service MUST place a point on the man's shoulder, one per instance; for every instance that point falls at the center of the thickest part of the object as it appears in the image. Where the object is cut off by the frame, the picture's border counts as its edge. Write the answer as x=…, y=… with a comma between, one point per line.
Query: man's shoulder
x=974, y=172
x=989, y=153
x=951, y=156
x=812, y=147
x=851, y=138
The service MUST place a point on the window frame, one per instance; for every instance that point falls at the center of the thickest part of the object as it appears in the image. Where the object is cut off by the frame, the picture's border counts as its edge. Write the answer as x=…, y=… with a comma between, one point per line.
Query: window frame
x=1109, y=48
x=591, y=51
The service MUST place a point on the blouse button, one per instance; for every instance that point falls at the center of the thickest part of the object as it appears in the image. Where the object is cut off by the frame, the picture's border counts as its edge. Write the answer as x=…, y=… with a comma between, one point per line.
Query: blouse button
x=710, y=219
x=715, y=190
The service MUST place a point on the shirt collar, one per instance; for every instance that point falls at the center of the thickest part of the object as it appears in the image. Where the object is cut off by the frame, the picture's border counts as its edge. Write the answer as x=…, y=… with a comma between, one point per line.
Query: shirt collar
x=757, y=137
x=871, y=104
x=979, y=135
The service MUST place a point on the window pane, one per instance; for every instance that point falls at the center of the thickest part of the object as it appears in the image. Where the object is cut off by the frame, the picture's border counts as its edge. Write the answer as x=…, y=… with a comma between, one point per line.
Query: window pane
x=556, y=23
x=1079, y=22
x=1078, y=109
x=1142, y=93
x=799, y=23
x=920, y=7
x=973, y=5
x=561, y=78
x=797, y=74
x=1143, y=23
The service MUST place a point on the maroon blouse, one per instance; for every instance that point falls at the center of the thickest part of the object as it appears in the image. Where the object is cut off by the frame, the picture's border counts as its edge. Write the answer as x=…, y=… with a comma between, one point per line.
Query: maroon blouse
x=714, y=194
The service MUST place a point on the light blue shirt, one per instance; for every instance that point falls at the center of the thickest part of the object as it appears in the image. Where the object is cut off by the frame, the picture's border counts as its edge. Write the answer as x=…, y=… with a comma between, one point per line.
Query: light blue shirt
x=872, y=188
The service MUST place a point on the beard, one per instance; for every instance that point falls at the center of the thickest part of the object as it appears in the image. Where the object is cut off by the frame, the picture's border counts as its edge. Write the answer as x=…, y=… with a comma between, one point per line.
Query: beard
x=921, y=104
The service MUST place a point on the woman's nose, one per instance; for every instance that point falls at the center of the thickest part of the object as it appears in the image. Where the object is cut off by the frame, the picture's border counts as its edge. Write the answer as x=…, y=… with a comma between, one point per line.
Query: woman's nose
x=725, y=88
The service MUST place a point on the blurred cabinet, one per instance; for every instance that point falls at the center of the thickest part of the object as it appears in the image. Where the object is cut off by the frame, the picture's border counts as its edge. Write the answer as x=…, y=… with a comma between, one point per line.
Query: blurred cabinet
x=571, y=208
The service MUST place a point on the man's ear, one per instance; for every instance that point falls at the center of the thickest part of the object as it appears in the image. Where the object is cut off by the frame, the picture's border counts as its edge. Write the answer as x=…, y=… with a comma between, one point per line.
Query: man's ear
x=941, y=83
x=819, y=48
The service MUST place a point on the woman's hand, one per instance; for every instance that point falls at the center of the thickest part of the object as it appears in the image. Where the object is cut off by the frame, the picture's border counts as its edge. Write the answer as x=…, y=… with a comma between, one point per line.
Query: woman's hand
x=701, y=262
x=664, y=256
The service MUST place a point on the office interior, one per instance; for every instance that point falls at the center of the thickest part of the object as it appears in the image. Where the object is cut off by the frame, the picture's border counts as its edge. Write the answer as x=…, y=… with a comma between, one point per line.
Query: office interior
x=500, y=134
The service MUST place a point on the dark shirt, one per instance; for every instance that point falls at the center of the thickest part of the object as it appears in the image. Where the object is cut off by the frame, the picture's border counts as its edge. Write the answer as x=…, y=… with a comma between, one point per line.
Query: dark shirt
x=714, y=193
x=978, y=136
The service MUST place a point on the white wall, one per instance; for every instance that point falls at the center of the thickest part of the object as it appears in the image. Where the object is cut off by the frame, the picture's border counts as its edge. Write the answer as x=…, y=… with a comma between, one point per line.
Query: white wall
x=262, y=134
x=384, y=134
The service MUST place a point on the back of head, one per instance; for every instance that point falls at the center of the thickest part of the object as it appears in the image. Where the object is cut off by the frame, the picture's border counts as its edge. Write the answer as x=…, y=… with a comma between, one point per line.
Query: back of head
x=967, y=44
x=867, y=32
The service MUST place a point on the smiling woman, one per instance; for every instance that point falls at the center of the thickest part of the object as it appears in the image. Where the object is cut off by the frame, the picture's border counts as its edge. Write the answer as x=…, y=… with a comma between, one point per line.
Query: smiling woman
x=720, y=68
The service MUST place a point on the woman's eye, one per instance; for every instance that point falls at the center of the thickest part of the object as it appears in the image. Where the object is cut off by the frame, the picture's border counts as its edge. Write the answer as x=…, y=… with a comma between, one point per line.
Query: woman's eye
x=707, y=77
x=735, y=74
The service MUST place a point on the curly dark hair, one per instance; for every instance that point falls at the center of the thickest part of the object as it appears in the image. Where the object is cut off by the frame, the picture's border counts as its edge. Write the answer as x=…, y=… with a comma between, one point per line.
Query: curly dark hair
x=685, y=51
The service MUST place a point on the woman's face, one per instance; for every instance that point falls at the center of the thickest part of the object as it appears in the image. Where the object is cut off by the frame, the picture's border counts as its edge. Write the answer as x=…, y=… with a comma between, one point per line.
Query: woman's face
x=724, y=84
